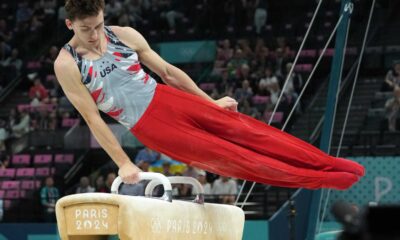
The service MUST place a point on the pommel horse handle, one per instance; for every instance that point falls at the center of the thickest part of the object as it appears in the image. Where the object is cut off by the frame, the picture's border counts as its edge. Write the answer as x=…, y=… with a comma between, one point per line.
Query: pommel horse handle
x=148, y=176
x=197, y=187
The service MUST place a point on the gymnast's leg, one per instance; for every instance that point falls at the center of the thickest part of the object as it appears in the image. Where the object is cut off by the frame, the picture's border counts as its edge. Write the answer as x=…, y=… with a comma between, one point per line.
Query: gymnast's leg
x=169, y=130
x=250, y=133
x=262, y=138
x=200, y=149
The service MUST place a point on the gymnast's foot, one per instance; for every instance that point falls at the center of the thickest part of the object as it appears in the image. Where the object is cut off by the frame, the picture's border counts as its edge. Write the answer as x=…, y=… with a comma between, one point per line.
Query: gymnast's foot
x=340, y=180
x=345, y=165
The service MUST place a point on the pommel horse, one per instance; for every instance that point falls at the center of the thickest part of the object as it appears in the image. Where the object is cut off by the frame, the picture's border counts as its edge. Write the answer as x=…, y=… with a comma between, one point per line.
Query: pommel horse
x=91, y=216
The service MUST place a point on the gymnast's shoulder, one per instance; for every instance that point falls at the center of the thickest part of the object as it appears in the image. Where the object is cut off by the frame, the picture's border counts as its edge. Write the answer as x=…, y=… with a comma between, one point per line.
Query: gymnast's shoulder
x=130, y=37
x=65, y=66
x=64, y=60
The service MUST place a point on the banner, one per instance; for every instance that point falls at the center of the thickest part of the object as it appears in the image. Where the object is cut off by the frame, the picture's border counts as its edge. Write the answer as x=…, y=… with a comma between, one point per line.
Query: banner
x=188, y=52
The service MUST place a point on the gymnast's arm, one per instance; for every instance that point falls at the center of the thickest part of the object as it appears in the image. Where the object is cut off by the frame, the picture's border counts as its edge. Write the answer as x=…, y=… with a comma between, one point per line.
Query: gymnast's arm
x=68, y=75
x=170, y=74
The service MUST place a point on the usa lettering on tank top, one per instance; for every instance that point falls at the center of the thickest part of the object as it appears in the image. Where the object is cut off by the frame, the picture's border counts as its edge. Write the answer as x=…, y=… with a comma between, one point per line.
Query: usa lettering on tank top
x=116, y=81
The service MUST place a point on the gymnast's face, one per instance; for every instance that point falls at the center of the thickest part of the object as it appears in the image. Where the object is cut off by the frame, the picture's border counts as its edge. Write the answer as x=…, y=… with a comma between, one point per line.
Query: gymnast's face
x=89, y=31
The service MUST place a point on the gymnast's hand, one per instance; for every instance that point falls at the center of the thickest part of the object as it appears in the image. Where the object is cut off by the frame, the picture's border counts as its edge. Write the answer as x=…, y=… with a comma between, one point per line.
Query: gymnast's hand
x=129, y=173
x=227, y=103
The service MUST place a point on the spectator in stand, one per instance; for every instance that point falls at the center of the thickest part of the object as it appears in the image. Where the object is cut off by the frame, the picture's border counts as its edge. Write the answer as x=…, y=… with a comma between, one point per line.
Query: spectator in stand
x=180, y=190
x=214, y=93
x=5, y=50
x=154, y=13
x=1, y=209
x=12, y=119
x=3, y=135
x=282, y=57
x=100, y=184
x=34, y=126
x=2, y=83
x=393, y=77
x=22, y=127
x=84, y=186
x=42, y=119
x=295, y=82
x=49, y=7
x=53, y=121
x=226, y=188
x=36, y=25
x=38, y=12
x=229, y=10
x=24, y=13
x=244, y=74
x=203, y=180
x=260, y=15
x=236, y=62
x=259, y=45
x=61, y=15
x=147, y=155
x=13, y=63
x=244, y=93
x=5, y=31
x=249, y=8
x=134, y=10
x=5, y=161
x=265, y=83
x=3, y=155
x=392, y=106
x=38, y=92
x=112, y=11
x=184, y=189
x=125, y=19
x=225, y=83
x=48, y=198
x=145, y=167
x=172, y=12
x=244, y=45
x=109, y=180
x=264, y=57
x=225, y=52
x=247, y=109
x=166, y=166
x=293, y=86
x=55, y=91
x=48, y=61
x=274, y=92
x=191, y=172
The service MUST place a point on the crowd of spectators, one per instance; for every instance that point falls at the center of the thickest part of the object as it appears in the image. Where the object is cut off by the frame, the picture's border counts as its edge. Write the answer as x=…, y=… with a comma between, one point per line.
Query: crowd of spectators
x=195, y=17
x=24, y=27
x=21, y=33
x=254, y=74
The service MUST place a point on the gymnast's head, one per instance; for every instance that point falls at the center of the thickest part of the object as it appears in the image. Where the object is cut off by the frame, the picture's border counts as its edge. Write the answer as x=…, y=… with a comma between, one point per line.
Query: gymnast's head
x=86, y=19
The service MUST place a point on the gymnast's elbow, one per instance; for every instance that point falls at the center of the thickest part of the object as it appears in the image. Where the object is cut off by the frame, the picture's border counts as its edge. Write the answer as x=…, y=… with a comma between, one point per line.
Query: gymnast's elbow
x=92, y=118
x=173, y=82
x=170, y=77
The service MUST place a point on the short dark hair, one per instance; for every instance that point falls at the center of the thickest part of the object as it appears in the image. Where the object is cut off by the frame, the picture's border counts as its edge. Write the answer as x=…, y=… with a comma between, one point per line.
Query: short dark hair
x=79, y=9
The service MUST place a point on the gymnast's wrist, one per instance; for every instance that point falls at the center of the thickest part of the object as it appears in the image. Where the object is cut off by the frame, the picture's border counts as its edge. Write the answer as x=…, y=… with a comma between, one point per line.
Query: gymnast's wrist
x=123, y=162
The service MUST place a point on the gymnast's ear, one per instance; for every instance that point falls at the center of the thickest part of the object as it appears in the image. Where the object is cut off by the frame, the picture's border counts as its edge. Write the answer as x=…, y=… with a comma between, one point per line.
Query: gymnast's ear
x=68, y=23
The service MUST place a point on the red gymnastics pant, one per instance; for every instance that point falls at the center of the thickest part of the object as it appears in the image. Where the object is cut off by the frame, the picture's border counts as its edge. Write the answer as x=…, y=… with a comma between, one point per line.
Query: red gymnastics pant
x=197, y=132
